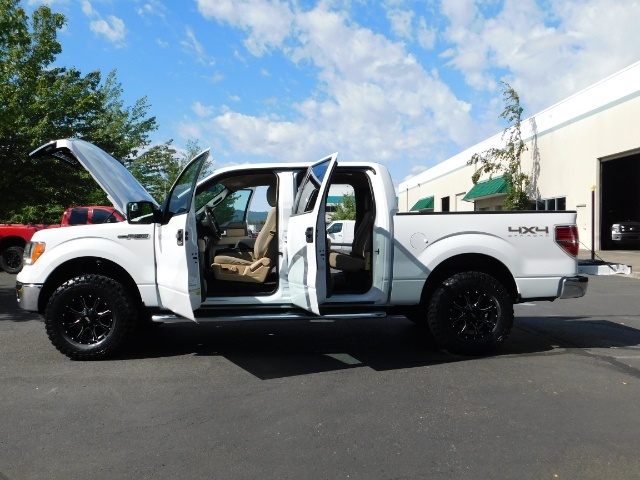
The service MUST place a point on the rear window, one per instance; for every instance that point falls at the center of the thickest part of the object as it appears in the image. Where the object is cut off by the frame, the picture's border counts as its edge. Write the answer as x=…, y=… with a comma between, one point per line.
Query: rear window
x=78, y=216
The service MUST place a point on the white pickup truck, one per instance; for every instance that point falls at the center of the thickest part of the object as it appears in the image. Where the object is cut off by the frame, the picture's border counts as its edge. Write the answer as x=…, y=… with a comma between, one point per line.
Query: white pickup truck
x=191, y=259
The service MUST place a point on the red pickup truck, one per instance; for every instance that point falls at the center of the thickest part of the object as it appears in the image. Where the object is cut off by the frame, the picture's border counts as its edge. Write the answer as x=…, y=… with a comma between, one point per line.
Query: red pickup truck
x=13, y=237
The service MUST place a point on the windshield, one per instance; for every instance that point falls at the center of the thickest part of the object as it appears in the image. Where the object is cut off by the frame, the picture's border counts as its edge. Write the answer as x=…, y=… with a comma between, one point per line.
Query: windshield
x=228, y=206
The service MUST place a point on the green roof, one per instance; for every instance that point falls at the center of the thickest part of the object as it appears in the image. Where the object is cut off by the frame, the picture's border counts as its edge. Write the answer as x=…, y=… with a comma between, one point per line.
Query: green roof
x=335, y=199
x=423, y=204
x=487, y=188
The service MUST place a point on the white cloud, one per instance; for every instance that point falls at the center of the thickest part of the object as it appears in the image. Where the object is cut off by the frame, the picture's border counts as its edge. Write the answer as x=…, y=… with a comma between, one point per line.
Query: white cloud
x=374, y=101
x=87, y=9
x=268, y=22
x=548, y=50
x=193, y=47
x=189, y=130
x=153, y=8
x=426, y=36
x=401, y=22
x=202, y=110
x=113, y=30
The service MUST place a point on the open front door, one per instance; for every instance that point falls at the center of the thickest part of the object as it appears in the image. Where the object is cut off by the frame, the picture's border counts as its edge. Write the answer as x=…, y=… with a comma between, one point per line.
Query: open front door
x=307, y=239
x=177, y=265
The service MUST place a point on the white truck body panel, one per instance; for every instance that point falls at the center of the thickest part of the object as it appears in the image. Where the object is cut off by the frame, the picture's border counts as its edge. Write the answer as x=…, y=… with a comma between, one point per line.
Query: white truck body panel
x=340, y=234
x=404, y=252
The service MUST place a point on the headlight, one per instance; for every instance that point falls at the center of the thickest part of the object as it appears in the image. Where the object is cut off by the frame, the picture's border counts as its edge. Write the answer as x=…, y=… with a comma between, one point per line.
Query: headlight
x=32, y=252
x=615, y=228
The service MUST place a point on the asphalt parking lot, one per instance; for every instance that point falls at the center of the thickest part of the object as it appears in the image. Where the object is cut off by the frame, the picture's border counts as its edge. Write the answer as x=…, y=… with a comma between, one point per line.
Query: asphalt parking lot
x=363, y=399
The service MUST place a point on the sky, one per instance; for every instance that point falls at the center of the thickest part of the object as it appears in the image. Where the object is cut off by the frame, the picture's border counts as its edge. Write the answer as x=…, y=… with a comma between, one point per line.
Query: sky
x=401, y=82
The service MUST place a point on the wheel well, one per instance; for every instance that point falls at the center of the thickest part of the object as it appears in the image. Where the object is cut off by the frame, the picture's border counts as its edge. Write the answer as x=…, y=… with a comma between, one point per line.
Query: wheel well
x=84, y=266
x=8, y=242
x=465, y=263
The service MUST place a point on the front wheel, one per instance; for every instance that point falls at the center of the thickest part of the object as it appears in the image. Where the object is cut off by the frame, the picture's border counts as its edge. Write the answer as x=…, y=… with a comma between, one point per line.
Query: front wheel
x=11, y=259
x=470, y=313
x=90, y=317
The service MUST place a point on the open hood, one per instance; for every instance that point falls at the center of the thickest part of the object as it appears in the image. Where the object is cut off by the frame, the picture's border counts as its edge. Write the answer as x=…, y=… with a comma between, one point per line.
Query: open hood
x=119, y=184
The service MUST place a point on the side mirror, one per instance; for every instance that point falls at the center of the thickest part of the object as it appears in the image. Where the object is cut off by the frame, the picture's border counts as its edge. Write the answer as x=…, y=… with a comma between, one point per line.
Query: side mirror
x=143, y=213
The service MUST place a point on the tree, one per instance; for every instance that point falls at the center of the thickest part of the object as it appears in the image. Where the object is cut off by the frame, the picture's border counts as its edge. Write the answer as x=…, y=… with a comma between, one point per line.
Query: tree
x=39, y=103
x=508, y=158
x=345, y=210
x=156, y=169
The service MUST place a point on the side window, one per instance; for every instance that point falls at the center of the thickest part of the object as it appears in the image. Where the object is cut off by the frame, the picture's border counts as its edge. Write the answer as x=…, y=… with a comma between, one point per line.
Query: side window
x=234, y=207
x=182, y=191
x=308, y=192
x=100, y=215
x=335, y=228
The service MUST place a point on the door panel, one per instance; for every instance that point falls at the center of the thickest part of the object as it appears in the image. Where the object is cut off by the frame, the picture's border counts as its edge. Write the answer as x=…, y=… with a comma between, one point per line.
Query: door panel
x=307, y=240
x=177, y=266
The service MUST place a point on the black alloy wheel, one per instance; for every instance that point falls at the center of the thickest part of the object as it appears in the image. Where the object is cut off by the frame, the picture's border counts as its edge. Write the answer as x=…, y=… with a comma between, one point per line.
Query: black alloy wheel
x=470, y=313
x=11, y=259
x=90, y=317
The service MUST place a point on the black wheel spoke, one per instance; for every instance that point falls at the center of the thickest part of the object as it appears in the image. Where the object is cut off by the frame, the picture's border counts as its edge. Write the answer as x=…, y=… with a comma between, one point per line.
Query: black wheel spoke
x=89, y=319
x=470, y=313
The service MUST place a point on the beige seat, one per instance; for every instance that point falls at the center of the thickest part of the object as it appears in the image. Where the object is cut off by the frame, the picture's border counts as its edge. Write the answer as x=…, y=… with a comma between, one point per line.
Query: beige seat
x=246, y=265
x=358, y=259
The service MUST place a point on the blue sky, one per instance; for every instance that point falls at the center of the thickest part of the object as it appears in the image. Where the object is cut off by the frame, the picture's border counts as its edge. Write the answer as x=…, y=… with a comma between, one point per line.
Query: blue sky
x=402, y=82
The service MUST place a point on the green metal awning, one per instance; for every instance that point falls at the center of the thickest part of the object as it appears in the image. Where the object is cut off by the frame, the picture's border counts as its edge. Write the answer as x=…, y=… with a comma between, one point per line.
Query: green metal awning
x=487, y=188
x=423, y=204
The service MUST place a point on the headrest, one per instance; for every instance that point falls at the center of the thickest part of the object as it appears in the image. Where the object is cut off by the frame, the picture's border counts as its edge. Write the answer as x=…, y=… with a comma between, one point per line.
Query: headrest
x=272, y=194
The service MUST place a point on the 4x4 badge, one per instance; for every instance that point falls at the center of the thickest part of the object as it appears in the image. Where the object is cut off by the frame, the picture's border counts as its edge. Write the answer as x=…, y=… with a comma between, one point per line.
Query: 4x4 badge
x=529, y=230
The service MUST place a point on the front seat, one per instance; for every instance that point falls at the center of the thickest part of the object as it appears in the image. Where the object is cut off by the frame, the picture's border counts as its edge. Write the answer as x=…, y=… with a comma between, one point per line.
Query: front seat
x=251, y=265
x=357, y=260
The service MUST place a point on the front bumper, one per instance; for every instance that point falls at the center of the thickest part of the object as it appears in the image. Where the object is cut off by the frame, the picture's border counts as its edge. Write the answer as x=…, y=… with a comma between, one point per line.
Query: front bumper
x=573, y=287
x=27, y=295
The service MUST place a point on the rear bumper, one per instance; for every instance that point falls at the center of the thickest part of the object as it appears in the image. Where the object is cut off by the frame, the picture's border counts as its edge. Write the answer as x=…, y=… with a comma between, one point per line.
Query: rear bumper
x=27, y=295
x=573, y=287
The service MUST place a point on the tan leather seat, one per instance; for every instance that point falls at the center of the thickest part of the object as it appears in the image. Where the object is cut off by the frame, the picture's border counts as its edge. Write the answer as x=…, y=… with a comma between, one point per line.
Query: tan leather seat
x=358, y=259
x=246, y=265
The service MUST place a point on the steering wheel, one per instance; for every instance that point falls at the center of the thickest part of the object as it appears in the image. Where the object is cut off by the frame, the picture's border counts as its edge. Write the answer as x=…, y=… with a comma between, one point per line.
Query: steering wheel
x=213, y=225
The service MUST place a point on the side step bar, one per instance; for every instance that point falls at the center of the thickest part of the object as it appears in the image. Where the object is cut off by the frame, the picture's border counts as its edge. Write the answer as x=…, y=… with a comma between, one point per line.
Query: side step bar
x=227, y=316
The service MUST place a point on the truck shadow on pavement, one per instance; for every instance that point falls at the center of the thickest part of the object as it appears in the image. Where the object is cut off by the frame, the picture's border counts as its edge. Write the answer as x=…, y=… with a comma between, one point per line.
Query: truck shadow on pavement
x=276, y=349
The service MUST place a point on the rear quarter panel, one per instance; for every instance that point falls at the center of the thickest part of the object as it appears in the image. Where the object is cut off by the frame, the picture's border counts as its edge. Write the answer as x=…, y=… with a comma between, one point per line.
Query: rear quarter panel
x=523, y=241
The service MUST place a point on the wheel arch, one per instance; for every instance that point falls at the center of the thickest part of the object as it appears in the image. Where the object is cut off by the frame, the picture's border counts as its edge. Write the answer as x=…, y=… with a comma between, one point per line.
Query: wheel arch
x=467, y=262
x=84, y=266
x=11, y=241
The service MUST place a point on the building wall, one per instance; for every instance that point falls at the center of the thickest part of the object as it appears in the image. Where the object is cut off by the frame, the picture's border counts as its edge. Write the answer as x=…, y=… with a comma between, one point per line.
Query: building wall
x=566, y=144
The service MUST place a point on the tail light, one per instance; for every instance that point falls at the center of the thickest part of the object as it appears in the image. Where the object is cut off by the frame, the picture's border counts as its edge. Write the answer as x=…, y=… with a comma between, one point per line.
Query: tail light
x=567, y=238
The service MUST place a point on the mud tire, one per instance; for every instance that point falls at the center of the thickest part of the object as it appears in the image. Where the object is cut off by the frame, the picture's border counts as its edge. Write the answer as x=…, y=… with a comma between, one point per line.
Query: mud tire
x=90, y=317
x=471, y=313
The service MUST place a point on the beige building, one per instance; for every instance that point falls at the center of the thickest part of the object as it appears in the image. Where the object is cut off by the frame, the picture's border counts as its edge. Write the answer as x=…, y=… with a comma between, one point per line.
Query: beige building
x=588, y=141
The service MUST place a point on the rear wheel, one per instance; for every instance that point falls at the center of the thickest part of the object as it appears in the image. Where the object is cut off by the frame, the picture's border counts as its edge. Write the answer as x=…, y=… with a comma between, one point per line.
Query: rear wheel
x=90, y=317
x=11, y=259
x=470, y=313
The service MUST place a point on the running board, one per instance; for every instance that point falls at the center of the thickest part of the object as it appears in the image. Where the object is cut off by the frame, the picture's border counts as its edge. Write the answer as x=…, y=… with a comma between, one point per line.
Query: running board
x=230, y=317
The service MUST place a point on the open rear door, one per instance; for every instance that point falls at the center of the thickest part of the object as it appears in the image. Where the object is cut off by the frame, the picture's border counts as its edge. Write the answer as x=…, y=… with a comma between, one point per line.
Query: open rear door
x=177, y=265
x=307, y=238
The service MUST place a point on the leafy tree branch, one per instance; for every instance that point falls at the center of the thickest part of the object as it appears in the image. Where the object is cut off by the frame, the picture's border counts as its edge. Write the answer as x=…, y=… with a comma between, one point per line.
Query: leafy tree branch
x=508, y=159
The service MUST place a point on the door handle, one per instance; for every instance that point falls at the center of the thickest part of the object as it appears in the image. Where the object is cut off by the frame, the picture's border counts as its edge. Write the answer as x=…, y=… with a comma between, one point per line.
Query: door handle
x=309, y=234
x=179, y=237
